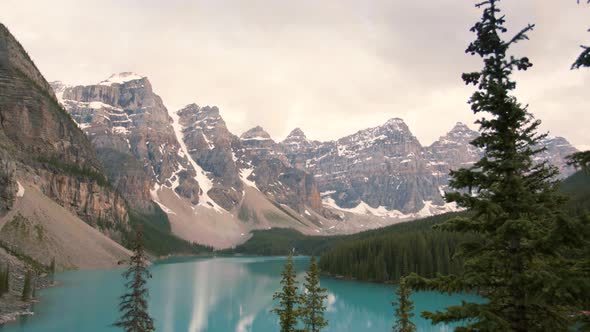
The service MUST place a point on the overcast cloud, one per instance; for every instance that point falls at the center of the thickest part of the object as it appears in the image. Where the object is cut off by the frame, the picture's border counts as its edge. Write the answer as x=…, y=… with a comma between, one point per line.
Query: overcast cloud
x=329, y=67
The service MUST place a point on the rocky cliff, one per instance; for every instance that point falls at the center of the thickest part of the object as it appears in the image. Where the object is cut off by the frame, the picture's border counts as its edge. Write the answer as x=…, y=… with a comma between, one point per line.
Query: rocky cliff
x=453, y=151
x=383, y=167
x=42, y=146
x=210, y=145
x=273, y=174
x=385, y=171
x=132, y=132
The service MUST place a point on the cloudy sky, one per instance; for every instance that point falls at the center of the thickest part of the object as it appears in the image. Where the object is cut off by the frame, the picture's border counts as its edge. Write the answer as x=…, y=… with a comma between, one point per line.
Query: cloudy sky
x=329, y=67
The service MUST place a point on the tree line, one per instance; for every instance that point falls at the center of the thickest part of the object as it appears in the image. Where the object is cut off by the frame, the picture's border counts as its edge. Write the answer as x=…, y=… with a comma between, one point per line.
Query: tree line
x=390, y=257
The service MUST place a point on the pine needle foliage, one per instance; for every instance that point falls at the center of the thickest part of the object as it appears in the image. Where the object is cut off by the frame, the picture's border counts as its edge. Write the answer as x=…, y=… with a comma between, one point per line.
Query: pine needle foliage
x=134, y=304
x=581, y=159
x=403, y=309
x=520, y=264
x=583, y=59
x=288, y=308
x=313, y=300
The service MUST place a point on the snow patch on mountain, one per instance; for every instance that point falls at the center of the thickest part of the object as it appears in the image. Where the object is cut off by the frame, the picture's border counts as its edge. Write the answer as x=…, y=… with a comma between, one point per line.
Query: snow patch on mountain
x=244, y=174
x=204, y=181
x=21, y=190
x=257, y=138
x=363, y=208
x=121, y=78
x=156, y=199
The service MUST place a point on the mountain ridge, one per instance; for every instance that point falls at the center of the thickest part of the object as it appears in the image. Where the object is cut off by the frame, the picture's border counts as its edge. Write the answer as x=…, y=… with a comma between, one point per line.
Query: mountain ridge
x=370, y=178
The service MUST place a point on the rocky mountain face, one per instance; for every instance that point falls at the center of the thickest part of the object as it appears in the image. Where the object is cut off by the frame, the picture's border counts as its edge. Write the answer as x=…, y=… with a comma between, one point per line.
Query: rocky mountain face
x=452, y=151
x=273, y=174
x=556, y=151
x=41, y=146
x=383, y=167
x=132, y=132
x=382, y=171
x=193, y=153
x=210, y=145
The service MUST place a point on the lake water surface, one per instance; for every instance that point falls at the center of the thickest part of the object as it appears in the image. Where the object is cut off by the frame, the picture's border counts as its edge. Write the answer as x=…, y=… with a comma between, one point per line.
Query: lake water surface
x=217, y=295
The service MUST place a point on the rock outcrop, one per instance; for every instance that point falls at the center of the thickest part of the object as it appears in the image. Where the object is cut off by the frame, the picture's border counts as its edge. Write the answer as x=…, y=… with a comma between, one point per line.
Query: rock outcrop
x=40, y=144
x=382, y=167
x=210, y=145
x=272, y=172
x=385, y=169
x=132, y=132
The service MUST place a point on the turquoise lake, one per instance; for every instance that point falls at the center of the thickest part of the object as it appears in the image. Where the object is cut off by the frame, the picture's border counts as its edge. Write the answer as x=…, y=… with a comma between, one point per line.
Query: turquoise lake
x=217, y=295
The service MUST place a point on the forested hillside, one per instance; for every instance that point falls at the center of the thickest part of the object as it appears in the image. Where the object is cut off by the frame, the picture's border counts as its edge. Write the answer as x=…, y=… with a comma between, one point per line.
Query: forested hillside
x=282, y=241
x=577, y=188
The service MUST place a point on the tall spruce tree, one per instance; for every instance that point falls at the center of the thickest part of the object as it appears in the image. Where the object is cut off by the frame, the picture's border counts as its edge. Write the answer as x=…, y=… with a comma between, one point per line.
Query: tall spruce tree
x=289, y=300
x=519, y=263
x=582, y=159
x=313, y=300
x=403, y=309
x=134, y=304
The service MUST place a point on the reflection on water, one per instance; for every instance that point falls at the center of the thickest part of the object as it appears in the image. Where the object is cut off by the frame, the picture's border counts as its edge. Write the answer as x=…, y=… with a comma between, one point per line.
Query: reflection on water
x=216, y=295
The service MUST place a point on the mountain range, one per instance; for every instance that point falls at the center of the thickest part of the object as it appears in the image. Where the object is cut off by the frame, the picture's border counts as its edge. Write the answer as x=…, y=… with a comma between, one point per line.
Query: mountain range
x=101, y=152
x=189, y=163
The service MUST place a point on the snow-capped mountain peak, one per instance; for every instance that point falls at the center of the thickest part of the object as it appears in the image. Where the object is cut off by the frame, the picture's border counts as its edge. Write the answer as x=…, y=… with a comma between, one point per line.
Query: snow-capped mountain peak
x=396, y=124
x=121, y=78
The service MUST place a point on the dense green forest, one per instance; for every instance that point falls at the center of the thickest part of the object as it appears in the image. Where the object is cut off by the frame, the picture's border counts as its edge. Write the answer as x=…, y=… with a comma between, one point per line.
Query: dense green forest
x=391, y=256
x=577, y=188
x=280, y=241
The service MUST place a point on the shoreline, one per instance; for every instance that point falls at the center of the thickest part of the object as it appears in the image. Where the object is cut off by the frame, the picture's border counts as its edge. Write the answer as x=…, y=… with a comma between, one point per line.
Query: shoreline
x=12, y=307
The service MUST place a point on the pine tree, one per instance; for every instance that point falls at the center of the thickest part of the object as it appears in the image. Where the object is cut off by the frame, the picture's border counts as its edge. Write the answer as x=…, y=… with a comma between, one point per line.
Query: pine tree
x=403, y=309
x=518, y=263
x=134, y=304
x=4, y=275
x=34, y=284
x=581, y=159
x=7, y=279
x=583, y=59
x=26, y=294
x=288, y=309
x=313, y=300
x=52, y=267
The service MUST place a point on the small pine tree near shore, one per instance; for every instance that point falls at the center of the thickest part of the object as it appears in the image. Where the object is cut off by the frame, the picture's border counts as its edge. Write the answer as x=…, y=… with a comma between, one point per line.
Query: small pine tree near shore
x=7, y=279
x=403, y=309
x=27, y=287
x=4, y=280
x=134, y=304
x=313, y=300
x=288, y=309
